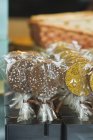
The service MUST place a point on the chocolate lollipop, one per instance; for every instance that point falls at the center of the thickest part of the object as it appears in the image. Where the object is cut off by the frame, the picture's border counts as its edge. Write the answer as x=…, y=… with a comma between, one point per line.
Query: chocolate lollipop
x=76, y=75
x=76, y=79
x=91, y=81
x=17, y=76
x=44, y=80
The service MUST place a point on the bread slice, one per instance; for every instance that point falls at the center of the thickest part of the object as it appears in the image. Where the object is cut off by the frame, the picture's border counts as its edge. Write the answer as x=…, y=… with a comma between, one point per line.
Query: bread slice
x=49, y=28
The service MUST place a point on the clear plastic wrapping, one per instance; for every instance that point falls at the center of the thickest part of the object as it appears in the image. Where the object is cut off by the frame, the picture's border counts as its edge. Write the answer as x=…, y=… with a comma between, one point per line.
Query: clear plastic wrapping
x=78, y=76
x=34, y=81
x=16, y=64
x=37, y=80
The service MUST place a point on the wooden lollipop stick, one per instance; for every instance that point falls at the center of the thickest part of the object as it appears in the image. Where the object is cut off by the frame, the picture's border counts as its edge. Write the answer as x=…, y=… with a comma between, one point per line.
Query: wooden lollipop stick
x=59, y=106
x=53, y=99
x=33, y=102
x=60, y=103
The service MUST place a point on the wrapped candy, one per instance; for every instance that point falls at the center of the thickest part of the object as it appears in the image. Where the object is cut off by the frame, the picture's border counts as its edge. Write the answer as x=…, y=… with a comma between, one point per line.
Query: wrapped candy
x=67, y=52
x=34, y=80
x=15, y=67
x=78, y=77
x=45, y=79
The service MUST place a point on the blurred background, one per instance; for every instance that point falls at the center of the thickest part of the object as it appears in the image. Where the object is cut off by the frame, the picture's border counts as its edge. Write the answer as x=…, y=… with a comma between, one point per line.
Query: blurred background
x=21, y=10
x=26, y=8
x=14, y=15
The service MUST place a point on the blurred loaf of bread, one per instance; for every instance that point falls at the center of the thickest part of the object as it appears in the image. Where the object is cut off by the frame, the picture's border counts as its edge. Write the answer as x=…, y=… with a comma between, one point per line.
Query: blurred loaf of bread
x=49, y=28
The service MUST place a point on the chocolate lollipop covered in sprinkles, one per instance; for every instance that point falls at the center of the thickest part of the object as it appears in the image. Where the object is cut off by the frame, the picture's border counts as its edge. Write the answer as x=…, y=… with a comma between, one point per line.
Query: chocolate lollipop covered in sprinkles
x=17, y=73
x=17, y=76
x=44, y=79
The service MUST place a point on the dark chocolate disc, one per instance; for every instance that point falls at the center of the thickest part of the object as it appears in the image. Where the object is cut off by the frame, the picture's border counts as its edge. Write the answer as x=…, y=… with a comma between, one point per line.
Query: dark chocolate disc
x=44, y=79
x=17, y=75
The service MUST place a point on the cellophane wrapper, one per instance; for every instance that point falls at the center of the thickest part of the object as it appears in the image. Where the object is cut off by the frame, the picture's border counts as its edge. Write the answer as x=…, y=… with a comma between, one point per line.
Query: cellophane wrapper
x=78, y=77
x=33, y=82
x=17, y=109
x=39, y=85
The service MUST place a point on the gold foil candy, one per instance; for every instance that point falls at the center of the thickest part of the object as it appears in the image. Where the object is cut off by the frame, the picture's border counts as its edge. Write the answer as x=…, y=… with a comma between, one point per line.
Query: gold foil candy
x=78, y=59
x=91, y=81
x=76, y=79
x=61, y=48
x=72, y=57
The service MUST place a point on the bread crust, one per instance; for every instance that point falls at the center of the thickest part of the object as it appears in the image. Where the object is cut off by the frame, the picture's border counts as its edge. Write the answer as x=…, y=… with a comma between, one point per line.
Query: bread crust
x=44, y=32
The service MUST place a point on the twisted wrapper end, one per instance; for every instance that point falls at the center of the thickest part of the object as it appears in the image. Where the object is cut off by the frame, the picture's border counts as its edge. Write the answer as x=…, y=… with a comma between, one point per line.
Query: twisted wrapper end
x=46, y=113
x=81, y=105
x=25, y=110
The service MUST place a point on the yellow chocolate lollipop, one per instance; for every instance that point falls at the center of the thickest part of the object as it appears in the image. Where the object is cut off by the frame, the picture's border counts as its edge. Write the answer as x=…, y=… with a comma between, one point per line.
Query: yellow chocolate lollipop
x=72, y=57
x=76, y=80
x=61, y=48
x=91, y=81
